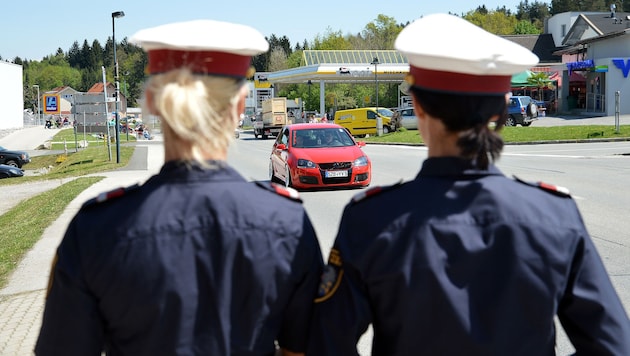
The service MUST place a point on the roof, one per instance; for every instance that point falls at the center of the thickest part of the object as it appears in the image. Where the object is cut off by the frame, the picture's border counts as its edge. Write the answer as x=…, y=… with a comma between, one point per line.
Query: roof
x=596, y=24
x=312, y=57
x=542, y=45
x=98, y=88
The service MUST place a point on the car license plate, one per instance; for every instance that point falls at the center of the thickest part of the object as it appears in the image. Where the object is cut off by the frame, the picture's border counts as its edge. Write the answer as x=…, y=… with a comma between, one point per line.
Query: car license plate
x=336, y=174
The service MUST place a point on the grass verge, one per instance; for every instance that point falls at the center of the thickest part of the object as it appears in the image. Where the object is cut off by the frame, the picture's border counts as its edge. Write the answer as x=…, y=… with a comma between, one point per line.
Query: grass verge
x=24, y=225
x=524, y=134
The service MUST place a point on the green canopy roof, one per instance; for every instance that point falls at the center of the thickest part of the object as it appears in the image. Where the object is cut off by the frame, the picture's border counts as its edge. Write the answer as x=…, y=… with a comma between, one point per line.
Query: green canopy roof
x=520, y=79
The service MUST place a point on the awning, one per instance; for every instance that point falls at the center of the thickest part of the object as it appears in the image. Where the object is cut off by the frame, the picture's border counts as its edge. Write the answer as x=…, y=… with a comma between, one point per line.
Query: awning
x=519, y=80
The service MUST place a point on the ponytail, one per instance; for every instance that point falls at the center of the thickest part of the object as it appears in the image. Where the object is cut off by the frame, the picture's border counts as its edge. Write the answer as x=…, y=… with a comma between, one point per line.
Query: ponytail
x=468, y=115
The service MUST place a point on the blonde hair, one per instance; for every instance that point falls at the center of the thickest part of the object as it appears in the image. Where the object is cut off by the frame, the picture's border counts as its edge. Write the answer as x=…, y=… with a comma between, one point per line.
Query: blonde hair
x=199, y=112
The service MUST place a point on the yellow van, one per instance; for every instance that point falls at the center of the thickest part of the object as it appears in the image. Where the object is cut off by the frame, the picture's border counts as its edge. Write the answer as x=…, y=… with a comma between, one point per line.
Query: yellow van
x=362, y=121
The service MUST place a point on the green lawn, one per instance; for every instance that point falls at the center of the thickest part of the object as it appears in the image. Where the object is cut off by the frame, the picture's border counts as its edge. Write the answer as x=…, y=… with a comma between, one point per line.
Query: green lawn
x=24, y=225
x=520, y=134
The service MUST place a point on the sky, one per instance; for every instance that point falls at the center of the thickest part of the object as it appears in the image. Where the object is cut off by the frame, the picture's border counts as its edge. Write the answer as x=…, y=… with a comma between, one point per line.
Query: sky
x=33, y=29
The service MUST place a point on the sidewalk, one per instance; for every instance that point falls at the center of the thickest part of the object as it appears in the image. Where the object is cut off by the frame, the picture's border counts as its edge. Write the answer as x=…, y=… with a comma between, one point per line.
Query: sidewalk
x=22, y=300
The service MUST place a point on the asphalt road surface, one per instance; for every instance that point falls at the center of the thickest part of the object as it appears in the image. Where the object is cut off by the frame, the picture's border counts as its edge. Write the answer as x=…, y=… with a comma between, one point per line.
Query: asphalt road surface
x=597, y=175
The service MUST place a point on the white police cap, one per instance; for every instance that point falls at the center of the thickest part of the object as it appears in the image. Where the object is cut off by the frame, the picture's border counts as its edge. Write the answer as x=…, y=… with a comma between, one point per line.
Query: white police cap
x=205, y=46
x=449, y=54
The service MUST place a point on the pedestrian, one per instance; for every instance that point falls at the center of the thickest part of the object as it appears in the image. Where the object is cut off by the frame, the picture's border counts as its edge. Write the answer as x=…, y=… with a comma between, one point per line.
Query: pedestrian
x=463, y=260
x=219, y=265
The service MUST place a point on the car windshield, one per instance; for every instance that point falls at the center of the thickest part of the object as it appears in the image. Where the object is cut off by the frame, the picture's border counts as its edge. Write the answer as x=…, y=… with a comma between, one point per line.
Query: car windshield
x=324, y=137
x=385, y=112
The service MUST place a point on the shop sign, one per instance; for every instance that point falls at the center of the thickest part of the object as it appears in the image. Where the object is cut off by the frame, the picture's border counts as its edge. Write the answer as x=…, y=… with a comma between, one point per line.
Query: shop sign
x=623, y=64
x=581, y=65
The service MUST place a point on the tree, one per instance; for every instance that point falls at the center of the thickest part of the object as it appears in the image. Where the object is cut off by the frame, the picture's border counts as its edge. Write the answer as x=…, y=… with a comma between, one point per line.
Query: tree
x=277, y=59
x=331, y=40
x=525, y=27
x=381, y=33
x=540, y=80
x=494, y=22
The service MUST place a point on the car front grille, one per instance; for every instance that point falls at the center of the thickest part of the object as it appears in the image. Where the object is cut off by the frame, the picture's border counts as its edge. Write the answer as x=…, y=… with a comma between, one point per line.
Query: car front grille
x=335, y=165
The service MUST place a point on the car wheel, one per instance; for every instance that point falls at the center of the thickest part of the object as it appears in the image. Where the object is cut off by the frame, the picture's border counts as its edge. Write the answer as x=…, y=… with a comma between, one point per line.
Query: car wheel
x=12, y=163
x=385, y=130
x=264, y=137
x=526, y=124
x=510, y=121
x=532, y=109
x=4, y=175
x=287, y=177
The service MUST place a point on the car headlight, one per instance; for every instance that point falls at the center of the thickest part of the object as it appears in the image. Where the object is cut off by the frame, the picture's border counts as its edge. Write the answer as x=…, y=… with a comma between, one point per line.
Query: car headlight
x=304, y=163
x=361, y=161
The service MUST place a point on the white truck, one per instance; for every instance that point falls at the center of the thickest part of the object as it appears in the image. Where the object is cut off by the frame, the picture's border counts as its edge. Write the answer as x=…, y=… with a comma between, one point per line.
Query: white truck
x=272, y=118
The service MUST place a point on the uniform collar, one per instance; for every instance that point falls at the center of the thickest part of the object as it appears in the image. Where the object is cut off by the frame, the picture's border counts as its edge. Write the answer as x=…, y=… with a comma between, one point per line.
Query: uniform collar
x=191, y=171
x=454, y=166
x=191, y=165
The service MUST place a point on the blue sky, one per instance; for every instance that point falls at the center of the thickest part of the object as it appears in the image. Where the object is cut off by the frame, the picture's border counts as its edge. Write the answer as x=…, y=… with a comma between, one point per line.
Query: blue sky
x=32, y=29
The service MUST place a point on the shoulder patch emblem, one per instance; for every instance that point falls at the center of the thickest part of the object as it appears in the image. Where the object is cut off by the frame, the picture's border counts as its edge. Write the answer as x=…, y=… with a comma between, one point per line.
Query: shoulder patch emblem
x=331, y=277
x=372, y=192
x=112, y=194
x=554, y=189
x=280, y=190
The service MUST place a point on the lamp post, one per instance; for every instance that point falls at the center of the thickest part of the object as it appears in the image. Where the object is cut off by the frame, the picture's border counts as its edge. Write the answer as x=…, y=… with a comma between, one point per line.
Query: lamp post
x=375, y=62
x=38, y=110
x=115, y=15
x=309, y=83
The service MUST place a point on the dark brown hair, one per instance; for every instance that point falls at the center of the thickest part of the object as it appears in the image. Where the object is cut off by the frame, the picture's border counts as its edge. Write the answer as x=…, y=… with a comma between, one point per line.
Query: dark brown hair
x=468, y=115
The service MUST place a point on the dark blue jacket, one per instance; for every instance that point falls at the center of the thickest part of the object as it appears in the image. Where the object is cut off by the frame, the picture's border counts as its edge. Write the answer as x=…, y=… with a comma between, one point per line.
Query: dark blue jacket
x=193, y=262
x=466, y=262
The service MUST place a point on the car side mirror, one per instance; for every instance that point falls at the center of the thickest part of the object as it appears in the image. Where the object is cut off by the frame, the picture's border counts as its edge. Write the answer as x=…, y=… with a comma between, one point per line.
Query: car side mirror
x=281, y=146
x=361, y=143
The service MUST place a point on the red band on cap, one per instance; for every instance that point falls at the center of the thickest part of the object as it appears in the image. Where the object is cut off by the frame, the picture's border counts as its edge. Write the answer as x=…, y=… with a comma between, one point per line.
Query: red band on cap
x=201, y=62
x=460, y=82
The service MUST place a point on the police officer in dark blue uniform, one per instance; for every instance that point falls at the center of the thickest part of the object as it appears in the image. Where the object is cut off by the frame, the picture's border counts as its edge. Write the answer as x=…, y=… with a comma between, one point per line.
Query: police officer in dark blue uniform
x=196, y=261
x=464, y=261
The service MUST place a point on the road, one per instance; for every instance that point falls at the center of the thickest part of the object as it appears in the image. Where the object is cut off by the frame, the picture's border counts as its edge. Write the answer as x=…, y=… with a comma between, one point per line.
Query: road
x=598, y=175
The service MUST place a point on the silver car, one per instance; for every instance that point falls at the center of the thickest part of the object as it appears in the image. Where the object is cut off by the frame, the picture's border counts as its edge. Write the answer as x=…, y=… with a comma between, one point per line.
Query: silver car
x=408, y=119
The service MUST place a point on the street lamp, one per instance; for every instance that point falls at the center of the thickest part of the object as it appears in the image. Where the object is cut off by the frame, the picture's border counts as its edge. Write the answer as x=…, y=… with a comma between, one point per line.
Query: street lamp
x=115, y=15
x=375, y=62
x=38, y=110
x=309, y=93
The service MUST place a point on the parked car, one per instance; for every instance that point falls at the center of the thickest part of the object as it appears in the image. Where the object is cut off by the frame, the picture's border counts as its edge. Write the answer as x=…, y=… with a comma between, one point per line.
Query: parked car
x=318, y=155
x=14, y=158
x=363, y=121
x=7, y=171
x=522, y=110
x=408, y=119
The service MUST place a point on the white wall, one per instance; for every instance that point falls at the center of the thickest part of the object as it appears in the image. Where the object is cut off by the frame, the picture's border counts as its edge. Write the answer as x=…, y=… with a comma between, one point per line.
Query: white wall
x=11, y=100
x=603, y=52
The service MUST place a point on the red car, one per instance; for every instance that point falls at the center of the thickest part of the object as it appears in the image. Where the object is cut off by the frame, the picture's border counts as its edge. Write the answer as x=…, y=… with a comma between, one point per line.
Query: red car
x=318, y=155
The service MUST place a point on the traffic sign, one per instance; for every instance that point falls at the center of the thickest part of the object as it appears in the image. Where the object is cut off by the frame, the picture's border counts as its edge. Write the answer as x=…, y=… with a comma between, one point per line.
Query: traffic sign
x=51, y=104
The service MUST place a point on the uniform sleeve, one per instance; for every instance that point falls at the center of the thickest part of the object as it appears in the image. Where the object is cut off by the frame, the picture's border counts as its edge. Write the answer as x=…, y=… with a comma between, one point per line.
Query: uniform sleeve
x=307, y=266
x=342, y=313
x=590, y=312
x=71, y=323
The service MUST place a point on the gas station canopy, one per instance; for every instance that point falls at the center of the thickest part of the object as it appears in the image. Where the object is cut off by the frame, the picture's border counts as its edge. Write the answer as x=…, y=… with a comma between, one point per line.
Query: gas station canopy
x=335, y=66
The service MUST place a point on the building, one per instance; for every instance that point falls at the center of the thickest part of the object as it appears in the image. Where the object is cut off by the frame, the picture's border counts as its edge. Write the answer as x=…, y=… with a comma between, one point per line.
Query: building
x=11, y=96
x=596, y=59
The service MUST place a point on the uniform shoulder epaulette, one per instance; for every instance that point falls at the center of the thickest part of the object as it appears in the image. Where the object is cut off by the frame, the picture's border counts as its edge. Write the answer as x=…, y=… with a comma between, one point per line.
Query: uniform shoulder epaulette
x=112, y=194
x=372, y=192
x=289, y=193
x=554, y=189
